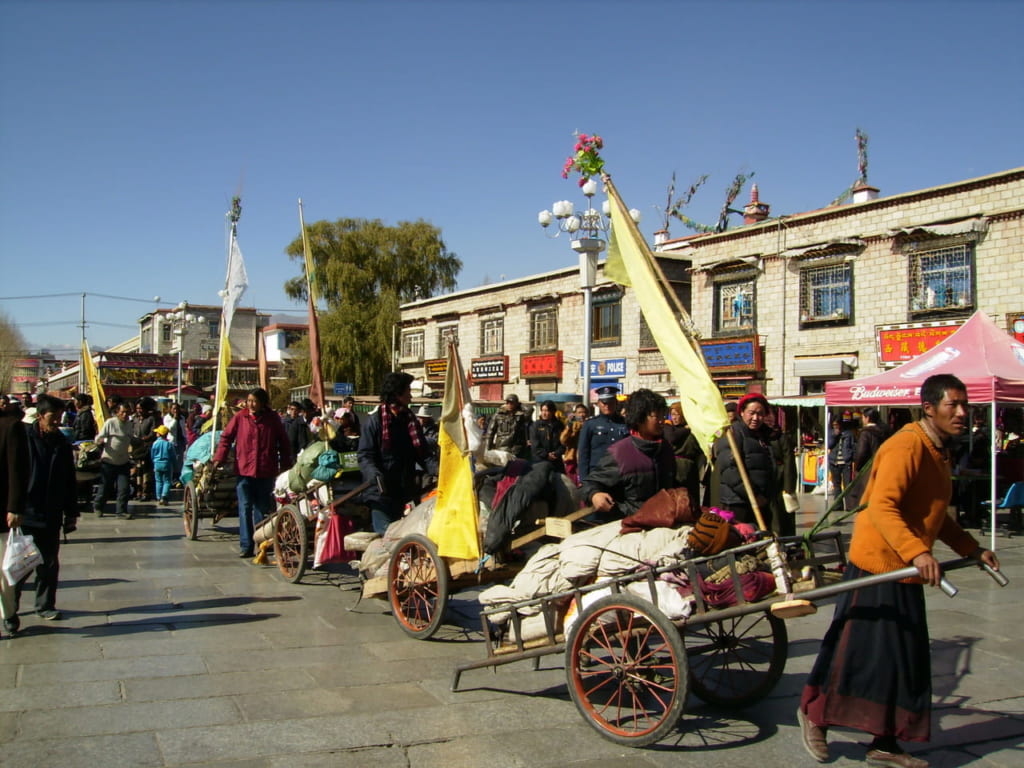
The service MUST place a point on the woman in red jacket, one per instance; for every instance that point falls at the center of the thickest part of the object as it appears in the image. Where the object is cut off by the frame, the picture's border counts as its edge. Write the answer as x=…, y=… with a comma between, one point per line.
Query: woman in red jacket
x=262, y=452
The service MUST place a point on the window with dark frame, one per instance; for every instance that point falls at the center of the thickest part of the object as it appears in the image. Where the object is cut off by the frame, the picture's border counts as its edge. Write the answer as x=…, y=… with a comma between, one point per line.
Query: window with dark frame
x=941, y=278
x=734, y=307
x=826, y=294
x=607, y=322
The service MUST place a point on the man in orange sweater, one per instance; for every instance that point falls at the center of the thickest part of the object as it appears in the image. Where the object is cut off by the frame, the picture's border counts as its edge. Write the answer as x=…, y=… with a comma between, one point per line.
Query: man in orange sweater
x=873, y=672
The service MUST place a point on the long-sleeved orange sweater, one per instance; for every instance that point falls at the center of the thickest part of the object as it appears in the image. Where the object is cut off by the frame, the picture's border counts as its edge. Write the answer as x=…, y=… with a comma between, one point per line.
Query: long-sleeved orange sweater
x=907, y=495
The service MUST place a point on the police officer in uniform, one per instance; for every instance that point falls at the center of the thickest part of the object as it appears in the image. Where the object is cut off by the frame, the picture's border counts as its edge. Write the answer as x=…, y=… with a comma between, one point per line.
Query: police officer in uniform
x=601, y=431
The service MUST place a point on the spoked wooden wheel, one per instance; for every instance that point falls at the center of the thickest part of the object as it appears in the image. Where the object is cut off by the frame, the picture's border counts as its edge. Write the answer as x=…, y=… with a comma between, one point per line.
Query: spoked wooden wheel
x=290, y=543
x=626, y=670
x=735, y=662
x=190, y=511
x=417, y=586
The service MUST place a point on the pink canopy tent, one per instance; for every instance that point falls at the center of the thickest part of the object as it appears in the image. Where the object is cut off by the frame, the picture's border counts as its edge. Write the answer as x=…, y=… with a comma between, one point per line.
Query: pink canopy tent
x=984, y=357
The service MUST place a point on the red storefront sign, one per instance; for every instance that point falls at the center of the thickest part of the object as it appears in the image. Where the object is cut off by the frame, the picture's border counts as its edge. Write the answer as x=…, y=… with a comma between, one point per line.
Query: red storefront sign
x=546, y=366
x=899, y=344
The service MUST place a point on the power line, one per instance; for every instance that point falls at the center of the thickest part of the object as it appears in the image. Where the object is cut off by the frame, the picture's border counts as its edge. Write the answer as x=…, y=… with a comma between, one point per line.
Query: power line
x=86, y=293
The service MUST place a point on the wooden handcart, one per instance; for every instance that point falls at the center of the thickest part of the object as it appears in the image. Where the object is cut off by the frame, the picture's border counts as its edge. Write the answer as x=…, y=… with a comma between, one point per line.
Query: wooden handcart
x=211, y=493
x=629, y=667
x=290, y=530
x=419, y=582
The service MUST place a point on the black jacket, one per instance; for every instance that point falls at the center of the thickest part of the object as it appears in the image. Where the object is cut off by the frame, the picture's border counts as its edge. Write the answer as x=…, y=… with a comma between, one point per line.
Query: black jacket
x=760, y=463
x=85, y=425
x=392, y=473
x=13, y=464
x=52, y=496
x=632, y=470
x=545, y=438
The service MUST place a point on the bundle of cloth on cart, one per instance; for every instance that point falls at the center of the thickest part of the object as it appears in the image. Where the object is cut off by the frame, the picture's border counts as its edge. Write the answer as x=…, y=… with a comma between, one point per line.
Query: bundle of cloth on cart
x=666, y=529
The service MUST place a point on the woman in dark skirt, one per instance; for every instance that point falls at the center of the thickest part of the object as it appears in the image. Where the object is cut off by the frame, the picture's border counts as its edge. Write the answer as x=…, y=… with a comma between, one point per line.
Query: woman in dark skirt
x=873, y=672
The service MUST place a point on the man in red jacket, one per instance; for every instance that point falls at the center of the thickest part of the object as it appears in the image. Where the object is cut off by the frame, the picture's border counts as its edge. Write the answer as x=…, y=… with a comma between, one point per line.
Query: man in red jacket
x=262, y=452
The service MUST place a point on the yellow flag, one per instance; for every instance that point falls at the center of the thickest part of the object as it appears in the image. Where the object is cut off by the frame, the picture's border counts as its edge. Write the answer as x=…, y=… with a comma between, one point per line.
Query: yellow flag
x=454, y=527
x=92, y=376
x=630, y=262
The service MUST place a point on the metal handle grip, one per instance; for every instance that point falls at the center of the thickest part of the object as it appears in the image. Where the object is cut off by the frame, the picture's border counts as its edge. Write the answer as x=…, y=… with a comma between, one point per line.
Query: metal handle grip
x=997, y=576
x=947, y=586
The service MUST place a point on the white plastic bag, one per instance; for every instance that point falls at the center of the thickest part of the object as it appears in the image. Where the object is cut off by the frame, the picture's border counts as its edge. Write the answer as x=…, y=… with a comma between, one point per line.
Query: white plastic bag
x=21, y=557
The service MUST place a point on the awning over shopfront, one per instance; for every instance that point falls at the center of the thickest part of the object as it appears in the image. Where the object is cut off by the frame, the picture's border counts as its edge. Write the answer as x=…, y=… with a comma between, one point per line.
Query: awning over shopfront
x=973, y=226
x=986, y=358
x=832, y=366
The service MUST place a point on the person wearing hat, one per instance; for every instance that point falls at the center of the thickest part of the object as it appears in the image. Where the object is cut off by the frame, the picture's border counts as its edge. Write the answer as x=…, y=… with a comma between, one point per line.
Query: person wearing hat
x=752, y=439
x=600, y=432
x=165, y=460
x=509, y=430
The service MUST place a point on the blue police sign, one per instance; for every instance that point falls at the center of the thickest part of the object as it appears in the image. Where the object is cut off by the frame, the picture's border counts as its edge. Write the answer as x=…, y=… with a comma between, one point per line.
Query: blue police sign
x=343, y=388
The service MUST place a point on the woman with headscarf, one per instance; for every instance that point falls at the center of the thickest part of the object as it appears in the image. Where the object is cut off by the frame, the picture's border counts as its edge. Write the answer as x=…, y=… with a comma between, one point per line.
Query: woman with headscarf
x=752, y=442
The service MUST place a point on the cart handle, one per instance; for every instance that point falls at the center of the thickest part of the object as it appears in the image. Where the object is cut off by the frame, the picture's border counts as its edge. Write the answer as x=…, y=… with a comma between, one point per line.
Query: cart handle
x=907, y=573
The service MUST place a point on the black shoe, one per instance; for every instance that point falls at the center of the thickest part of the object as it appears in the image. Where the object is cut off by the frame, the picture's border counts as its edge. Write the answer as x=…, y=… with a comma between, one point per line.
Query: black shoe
x=50, y=615
x=12, y=625
x=246, y=553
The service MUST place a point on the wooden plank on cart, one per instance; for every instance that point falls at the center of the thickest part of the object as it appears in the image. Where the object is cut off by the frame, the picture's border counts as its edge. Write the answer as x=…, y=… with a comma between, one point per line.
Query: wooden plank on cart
x=543, y=531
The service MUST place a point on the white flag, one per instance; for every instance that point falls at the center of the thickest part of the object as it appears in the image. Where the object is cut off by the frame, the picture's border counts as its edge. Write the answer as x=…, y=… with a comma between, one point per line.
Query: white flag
x=237, y=282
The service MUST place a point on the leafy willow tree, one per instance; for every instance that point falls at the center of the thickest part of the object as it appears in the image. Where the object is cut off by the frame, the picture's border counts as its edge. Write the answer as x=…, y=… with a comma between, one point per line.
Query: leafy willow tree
x=363, y=270
x=12, y=346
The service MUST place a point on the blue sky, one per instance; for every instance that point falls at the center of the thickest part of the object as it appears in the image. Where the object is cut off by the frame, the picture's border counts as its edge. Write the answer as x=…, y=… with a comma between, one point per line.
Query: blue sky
x=126, y=127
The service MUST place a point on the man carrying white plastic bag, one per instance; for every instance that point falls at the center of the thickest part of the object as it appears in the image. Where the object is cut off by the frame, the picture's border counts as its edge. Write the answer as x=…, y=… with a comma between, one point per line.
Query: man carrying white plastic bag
x=13, y=482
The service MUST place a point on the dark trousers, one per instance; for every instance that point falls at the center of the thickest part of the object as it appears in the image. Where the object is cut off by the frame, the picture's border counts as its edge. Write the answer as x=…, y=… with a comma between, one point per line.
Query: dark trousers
x=48, y=542
x=112, y=476
x=255, y=501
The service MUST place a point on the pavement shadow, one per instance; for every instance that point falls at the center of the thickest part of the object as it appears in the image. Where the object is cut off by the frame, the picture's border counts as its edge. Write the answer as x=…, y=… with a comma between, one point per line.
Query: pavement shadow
x=113, y=539
x=175, y=622
x=92, y=583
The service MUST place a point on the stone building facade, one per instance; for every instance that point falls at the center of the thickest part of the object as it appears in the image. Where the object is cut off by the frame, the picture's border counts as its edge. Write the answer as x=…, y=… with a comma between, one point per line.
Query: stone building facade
x=781, y=304
x=787, y=303
x=525, y=336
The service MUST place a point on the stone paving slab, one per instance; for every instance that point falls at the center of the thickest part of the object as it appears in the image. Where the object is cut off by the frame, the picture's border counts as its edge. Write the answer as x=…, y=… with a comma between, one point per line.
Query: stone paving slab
x=220, y=663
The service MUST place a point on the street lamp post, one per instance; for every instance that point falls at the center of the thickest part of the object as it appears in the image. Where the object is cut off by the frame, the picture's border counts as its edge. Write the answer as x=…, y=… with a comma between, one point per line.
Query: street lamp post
x=585, y=228
x=180, y=319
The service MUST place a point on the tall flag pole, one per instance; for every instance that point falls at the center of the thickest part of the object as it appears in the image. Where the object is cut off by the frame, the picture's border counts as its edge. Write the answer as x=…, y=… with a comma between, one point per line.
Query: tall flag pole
x=630, y=262
x=454, y=526
x=235, y=284
x=316, y=384
x=92, y=377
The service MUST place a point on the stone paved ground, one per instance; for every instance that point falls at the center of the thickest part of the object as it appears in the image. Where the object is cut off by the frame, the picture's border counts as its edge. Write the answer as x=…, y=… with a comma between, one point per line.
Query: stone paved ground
x=175, y=652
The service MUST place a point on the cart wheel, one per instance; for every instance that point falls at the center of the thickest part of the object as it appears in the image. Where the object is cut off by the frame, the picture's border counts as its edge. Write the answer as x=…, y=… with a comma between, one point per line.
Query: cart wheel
x=627, y=670
x=190, y=511
x=735, y=662
x=417, y=586
x=290, y=543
